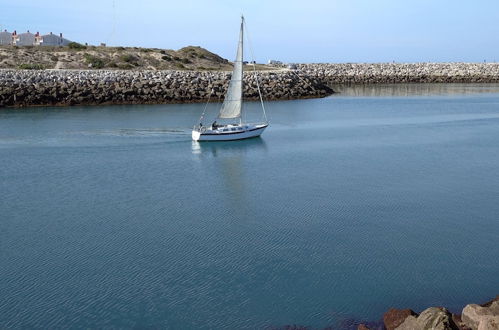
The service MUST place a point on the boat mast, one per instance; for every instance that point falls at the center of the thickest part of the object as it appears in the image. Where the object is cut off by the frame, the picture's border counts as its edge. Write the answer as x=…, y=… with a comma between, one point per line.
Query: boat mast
x=256, y=77
x=241, y=38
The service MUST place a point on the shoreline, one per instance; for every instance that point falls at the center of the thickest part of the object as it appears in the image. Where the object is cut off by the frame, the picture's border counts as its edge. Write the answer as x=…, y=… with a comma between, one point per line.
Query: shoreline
x=26, y=88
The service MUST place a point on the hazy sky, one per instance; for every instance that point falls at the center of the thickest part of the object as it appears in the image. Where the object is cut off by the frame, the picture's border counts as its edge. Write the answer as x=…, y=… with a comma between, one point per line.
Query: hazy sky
x=291, y=31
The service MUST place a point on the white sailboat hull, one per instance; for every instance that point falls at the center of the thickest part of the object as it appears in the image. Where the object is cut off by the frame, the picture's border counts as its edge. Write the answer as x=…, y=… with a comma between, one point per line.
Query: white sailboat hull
x=226, y=134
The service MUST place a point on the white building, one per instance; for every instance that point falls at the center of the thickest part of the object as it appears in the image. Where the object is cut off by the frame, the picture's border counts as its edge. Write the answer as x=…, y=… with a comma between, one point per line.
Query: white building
x=54, y=40
x=25, y=39
x=5, y=38
x=30, y=39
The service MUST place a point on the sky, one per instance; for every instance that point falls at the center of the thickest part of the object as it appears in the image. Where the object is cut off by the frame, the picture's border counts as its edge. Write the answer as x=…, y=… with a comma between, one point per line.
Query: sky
x=302, y=31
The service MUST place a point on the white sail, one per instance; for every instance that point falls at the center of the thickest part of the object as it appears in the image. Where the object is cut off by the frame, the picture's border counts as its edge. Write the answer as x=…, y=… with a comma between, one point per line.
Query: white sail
x=231, y=108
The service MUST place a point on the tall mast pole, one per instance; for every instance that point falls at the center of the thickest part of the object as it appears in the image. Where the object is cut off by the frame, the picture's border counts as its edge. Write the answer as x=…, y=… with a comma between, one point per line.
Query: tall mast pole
x=241, y=38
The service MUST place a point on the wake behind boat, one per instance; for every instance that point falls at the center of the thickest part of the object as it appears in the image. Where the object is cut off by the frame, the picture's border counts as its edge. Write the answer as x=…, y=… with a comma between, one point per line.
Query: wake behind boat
x=231, y=126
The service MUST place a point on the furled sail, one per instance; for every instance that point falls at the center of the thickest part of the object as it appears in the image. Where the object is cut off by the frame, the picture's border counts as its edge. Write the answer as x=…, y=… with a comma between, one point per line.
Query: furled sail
x=231, y=107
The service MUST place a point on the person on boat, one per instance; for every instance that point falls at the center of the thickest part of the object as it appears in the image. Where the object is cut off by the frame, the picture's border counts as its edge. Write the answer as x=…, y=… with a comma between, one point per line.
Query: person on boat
x=214, y=125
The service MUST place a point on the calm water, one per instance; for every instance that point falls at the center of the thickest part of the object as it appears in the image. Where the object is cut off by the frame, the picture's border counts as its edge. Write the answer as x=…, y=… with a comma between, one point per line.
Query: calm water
x=377, y=197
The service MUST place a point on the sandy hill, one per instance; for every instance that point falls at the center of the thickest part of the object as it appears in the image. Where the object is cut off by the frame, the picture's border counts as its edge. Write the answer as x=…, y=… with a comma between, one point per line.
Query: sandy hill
x=76, y=56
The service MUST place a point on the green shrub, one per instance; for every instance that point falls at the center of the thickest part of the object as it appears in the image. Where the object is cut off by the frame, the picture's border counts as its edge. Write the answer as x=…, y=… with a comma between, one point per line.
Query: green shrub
x=129, y=58
x=162, y=52
x=94, y=61
x=146, y=50
x=31, y=67
x=179, y=66
x=166, y=58
x=54, y=58
x=185, y=61
x=76, y=46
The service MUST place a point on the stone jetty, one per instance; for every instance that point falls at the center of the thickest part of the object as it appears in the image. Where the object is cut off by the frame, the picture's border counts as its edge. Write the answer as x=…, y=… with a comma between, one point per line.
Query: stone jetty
x=385, y=73
x=89, y=87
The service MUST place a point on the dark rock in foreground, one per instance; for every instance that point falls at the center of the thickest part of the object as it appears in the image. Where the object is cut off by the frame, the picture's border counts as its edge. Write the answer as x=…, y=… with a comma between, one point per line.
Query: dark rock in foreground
x=395, y=317
x=474, y=317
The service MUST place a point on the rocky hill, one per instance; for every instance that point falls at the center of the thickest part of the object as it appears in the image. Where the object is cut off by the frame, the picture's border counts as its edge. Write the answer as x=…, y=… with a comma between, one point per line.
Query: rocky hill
x=76, y=56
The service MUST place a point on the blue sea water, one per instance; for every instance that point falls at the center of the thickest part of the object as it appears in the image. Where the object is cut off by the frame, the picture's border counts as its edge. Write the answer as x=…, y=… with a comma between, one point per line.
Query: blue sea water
x=376, y=197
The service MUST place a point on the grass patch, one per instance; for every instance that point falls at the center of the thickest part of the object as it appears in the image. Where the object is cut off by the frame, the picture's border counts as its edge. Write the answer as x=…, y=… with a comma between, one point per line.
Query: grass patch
x=31, y=67
x=94, y=61
x=76, y=46
x=128, y=58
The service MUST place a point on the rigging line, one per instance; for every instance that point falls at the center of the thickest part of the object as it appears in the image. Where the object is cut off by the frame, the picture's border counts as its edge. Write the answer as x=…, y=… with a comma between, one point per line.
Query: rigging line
x=254, y=70
x=206, y=105
x=307, y=83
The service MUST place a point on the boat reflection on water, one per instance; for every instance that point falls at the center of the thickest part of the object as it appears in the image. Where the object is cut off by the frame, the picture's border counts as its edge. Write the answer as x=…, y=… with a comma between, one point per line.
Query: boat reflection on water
x=214, y=149
x=232, y=161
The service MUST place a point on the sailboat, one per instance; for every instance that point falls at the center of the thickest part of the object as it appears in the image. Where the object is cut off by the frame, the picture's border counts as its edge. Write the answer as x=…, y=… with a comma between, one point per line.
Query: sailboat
x=231, y=125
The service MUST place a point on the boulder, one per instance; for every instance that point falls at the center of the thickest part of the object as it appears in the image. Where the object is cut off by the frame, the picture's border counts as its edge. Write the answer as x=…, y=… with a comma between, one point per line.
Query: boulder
x=482, y=317
x=433, y=318
x=489, y=323
x=395, y=317
x=456, y=318
x=410, y=323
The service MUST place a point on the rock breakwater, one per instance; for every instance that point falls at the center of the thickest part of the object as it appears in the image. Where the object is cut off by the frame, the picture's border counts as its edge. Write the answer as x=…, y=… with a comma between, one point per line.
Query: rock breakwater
x=89, y=87
x=383, y=73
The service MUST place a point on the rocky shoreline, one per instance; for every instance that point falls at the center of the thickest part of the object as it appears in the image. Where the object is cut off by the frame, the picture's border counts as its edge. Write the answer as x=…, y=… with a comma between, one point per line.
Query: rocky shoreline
x=385, y=73
x=473, y=317
x=21, y=88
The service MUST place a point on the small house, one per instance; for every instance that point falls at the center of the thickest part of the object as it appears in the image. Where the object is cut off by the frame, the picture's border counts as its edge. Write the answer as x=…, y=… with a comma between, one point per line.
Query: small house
x=5, y=38
x=25, y=39
x=54, y=40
